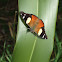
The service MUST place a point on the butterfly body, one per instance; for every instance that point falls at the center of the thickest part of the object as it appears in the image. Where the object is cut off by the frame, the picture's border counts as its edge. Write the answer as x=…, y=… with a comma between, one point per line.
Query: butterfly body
x=35, y=24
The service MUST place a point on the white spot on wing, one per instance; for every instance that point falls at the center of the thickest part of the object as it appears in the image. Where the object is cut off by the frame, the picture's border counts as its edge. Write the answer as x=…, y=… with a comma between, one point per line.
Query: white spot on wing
x=28, y=20
x=24, y=16
x=21, y=13
x=43, y=36
x=40, y=31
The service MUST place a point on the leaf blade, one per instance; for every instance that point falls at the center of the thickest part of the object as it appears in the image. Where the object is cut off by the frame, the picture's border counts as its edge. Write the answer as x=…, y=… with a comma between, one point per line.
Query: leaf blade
x=26, y=47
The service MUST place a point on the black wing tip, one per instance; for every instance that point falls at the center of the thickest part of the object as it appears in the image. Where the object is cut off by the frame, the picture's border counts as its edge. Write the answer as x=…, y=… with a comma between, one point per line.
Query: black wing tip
x=45, y=37
x=43, y=34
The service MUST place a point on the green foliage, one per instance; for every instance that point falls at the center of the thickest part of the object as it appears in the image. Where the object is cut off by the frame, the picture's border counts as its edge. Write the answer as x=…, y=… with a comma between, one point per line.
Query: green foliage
x=6, y=55
x=58, y=49
x=30, y=48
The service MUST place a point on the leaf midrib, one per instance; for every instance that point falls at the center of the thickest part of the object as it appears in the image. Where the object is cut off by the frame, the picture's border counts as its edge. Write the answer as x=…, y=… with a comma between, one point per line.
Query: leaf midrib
x=35, y=36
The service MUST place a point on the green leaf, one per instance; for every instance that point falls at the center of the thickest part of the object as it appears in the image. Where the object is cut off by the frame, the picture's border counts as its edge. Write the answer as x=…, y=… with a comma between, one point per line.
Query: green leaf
x=30, y=48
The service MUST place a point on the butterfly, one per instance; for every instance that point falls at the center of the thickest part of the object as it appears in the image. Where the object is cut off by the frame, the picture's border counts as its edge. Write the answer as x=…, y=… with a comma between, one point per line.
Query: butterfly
x=35, y=24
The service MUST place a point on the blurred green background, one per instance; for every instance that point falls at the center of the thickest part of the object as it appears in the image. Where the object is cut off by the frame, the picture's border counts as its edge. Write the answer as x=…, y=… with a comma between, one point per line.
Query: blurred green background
x=8, y=31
